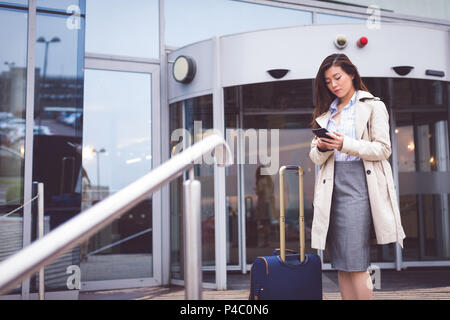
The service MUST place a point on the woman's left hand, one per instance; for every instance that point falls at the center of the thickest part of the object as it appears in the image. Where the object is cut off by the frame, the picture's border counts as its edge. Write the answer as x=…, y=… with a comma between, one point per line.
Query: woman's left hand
x=335, y=143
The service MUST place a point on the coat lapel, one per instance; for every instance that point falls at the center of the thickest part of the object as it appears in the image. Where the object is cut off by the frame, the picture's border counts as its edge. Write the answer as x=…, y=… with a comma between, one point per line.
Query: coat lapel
x=323, y=119
x=362, y=113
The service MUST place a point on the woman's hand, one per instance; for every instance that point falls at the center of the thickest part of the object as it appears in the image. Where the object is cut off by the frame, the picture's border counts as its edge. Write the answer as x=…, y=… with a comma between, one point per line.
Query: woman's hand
x=322, y=145
x=335, y=142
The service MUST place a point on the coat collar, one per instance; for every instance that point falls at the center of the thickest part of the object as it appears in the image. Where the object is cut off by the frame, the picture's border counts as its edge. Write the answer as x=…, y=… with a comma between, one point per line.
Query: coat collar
x=362, y=113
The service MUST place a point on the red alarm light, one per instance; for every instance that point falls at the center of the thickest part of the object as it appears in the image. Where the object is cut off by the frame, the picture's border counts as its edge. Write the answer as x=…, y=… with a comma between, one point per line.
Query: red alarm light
x=362, y=42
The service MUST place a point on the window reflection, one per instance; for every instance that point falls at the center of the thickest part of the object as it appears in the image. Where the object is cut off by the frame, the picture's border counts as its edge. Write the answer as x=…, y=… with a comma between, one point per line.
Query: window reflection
x=419, y=93
x=117, y=146
x=57, y=129
x=188, y=21
x=331, y=18
x=232, y=178
x=424, y=166
x=197, y=114
x=269, y=106
x=12, y=127
x=63, y=5
x=199, y=118
x=263, y=195
x=439, y=9
x=21, y=2
x=176, y=203
x=125, y=28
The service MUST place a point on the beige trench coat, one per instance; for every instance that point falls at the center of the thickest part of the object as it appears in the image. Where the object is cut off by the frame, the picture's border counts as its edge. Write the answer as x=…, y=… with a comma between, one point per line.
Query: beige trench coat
x=370, y=112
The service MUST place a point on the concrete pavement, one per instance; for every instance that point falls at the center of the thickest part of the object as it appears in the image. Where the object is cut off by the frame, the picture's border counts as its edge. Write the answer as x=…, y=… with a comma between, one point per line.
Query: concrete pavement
x=412, y=283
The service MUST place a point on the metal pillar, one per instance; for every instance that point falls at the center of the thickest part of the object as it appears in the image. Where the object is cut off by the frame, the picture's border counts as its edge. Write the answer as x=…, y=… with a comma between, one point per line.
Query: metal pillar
x=40, y=235
x=192, y=238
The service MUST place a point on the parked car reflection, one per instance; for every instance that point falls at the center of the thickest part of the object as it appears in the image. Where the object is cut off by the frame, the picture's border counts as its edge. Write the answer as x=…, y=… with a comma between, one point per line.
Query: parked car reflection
x=11, y=162
x=70, y=119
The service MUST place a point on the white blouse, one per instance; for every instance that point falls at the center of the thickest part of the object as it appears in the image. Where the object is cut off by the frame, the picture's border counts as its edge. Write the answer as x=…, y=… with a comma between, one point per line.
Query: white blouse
x=346, y=126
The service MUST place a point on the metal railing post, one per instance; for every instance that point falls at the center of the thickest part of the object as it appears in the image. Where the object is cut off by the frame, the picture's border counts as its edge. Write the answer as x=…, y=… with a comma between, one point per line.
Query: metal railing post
x=192, y=239
x=40, y=235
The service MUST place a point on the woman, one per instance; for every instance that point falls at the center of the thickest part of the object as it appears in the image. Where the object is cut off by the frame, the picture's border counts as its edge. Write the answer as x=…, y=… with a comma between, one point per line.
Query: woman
x=354, y=190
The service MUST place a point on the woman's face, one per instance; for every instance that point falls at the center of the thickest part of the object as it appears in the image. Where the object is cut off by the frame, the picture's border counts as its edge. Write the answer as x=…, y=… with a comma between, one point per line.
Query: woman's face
x=338, y=82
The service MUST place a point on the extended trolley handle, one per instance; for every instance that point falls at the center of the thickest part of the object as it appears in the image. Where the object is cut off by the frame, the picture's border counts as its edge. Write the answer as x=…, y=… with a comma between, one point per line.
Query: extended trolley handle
x=282, y=213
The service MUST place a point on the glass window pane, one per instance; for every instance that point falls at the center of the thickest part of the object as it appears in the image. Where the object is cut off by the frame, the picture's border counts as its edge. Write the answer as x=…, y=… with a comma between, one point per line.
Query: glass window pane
x=288, y=137
x=21, y=2
x=125, y=28
x=282, y=106
x=59, y=63
x=419, y=93
x=232, y=121
x=198, y=117
x=57, y=130
x=424, y=166
x=330, y=18
x=190, y=21
x=176, y=201
x=12, y=127
x=439, y=9
x=117, y=151
x=58, y=4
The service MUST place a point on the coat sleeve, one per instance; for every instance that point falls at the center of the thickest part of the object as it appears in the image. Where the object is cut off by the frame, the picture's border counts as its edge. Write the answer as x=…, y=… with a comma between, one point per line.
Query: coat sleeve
x=318, y=157
x=379, y=147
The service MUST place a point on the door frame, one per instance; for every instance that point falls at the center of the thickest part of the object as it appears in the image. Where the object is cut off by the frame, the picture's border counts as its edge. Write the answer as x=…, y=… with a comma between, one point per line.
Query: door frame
x=148, y=66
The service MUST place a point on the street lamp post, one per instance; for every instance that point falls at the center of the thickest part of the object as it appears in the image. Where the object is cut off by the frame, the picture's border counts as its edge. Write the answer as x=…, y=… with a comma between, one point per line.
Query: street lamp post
x=44, y=75
x=10, y=64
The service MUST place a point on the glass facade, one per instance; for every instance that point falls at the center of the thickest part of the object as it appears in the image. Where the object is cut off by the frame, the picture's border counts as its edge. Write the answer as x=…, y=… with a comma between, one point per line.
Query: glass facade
x=93, y=134
x=123, y=28
x=264, y=113
x=188, y=21
x=58, y=114
x=436, y=9
x=190, y=121
x=19, y=2
x=64, y=5
x=117, y=150
x=324, y=18
x=13, y=70
x=421, y=115
x=420, y=109
x=176, y=196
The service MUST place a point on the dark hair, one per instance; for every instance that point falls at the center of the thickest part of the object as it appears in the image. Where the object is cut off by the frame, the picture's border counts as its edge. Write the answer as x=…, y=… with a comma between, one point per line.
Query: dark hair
x=322, y=95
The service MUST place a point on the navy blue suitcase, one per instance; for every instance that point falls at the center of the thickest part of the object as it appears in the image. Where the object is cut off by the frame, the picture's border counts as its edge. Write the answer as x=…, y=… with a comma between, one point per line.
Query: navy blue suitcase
x=287, y=276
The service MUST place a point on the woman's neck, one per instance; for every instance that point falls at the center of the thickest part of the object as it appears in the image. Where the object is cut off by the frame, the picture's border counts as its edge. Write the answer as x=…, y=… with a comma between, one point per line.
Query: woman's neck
x=345, y=100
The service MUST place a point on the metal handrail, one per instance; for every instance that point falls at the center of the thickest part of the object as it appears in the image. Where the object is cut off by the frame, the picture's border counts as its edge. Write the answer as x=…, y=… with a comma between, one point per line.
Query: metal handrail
x=78, y=229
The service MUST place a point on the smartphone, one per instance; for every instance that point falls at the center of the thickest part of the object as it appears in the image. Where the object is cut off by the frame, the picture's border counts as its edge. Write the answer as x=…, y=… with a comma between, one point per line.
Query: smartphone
x=321, y=133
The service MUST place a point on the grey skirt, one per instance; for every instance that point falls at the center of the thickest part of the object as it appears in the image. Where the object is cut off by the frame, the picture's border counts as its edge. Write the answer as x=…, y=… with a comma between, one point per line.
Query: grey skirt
x=348, y=238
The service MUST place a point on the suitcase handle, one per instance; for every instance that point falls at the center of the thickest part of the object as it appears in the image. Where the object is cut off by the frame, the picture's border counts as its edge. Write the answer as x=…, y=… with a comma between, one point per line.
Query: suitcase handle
x=282, y=213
